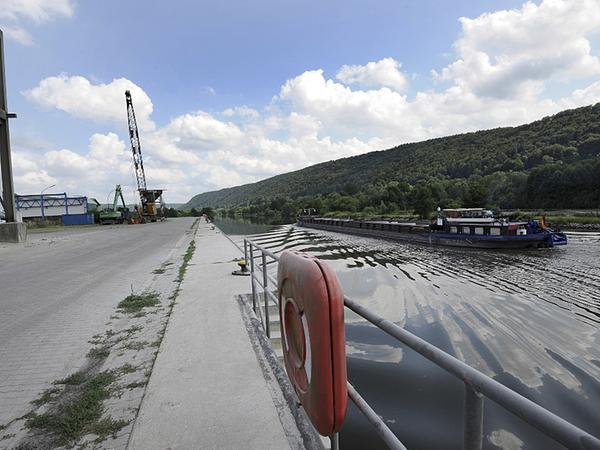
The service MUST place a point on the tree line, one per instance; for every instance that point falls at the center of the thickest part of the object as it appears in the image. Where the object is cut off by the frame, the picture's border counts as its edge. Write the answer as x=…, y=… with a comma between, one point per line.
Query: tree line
x=551, y=163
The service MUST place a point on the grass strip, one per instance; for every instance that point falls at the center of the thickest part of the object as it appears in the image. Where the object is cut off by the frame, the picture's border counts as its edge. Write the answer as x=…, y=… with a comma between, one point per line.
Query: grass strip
x=134, y=303
x=81, y=410
x=186, y=260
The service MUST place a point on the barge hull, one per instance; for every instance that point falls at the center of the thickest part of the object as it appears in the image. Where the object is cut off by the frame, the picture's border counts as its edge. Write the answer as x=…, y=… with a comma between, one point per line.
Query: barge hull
x=489, y=242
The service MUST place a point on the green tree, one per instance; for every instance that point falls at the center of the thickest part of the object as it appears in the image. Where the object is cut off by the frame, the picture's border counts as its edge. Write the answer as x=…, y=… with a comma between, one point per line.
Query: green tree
x=422, y=201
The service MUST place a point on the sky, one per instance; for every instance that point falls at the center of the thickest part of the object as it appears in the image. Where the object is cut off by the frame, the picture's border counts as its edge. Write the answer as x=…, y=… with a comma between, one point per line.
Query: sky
x=233, y=92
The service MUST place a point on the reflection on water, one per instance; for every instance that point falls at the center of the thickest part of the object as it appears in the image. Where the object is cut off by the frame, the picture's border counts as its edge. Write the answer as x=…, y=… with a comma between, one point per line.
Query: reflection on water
x=242, y=226
x=529, y=319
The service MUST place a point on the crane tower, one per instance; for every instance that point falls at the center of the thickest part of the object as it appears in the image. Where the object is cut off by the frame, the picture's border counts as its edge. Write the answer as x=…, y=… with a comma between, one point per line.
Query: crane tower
x=148, y=197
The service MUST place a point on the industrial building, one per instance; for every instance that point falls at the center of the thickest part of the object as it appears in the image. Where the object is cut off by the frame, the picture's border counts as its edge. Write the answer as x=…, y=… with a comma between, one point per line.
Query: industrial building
x=54, y=208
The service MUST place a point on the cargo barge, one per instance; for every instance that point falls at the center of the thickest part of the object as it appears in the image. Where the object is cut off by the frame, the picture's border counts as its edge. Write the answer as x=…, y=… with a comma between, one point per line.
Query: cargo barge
x=463, y=227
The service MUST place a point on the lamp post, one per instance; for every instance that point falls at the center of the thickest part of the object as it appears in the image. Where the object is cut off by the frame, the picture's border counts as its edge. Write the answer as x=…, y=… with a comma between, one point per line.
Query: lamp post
x=42, y=201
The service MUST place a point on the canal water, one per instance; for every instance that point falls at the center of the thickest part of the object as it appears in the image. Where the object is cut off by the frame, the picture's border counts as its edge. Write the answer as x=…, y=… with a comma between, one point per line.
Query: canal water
x=529, y=319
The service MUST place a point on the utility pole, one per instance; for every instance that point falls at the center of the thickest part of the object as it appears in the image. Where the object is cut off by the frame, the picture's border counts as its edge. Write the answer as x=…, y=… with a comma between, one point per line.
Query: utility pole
x=10, y=231
x=8, y=191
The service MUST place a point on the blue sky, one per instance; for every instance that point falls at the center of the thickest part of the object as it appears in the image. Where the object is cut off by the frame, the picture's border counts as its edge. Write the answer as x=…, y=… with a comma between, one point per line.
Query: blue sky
x=233, y=92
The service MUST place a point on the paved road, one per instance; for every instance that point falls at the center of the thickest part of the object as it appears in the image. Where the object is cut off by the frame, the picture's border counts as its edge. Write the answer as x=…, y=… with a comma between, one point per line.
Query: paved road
x=59, y=289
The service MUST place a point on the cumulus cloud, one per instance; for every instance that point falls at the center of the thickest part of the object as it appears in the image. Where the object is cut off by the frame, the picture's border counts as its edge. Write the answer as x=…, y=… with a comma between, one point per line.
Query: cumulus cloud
x=504, y=63
x=346, y=111
x=508, y=54
x=202, y=132
x=77, y=96
x=107, y=162
x=385, y=72
x=241, y=111
x=14, y=12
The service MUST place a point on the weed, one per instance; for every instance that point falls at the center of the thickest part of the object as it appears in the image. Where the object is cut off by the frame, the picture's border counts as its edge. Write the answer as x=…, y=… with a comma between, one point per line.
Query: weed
x=47, y=396
x=119, y=339
x=99, y=352
x=134, y=303
x=106, y=427
x=186, y=259
x=80, y=413
x=136, y=345
x=127, y=368
x=136, y=384
x=159, y=271
x=133, y=329
x=73, y=379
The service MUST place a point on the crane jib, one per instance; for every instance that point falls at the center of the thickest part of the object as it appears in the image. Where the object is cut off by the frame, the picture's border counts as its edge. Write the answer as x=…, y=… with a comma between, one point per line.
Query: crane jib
x=135, y=146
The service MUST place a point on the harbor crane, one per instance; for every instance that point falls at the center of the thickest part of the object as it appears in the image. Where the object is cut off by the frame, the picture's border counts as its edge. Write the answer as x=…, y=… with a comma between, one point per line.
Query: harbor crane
x=148, y=197
x=113, y=213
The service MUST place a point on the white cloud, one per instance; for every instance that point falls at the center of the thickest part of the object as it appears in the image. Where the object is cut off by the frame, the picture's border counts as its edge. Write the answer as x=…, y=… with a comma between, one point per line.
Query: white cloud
x=16, y=33
x=14, y=12
x=201, y=131
x=508, y=54
x=77, y=96
x=505, y=63
x=96, y=172
x=241, y=111
x=344, y=111
x=37, y=10
x=385, y=72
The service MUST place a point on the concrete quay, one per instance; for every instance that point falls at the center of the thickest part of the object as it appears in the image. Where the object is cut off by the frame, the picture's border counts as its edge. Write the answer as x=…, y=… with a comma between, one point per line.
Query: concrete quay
x=58, y=290
x=207, y=388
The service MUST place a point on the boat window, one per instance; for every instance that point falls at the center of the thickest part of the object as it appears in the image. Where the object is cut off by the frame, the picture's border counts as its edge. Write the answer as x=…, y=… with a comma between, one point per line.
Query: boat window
x=495, y=231
x=478, y=230
x=466, y=230
x=453, y=230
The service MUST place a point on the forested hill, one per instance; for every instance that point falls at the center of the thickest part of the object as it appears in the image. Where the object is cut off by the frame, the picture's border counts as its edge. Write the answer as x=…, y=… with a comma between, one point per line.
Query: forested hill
x=552, y=162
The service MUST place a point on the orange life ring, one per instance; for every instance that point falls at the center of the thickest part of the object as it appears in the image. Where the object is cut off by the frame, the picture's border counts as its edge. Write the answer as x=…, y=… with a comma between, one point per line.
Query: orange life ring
x=311, y=311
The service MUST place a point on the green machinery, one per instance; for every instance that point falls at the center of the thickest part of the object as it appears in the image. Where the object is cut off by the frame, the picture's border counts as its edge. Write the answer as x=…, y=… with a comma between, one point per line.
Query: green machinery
x=114, y=214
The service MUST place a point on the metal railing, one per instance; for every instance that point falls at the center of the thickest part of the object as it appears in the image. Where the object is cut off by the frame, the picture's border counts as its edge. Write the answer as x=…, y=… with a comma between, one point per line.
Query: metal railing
x=262, y=280
x=477, y=385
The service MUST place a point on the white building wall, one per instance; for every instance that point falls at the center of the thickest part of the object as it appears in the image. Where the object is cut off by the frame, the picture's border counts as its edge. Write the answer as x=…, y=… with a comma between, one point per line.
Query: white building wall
x=51, y=211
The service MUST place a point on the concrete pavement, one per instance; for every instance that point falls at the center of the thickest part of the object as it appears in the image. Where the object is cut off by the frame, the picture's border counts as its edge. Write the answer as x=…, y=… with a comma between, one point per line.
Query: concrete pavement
x=207, y=389
x=58, y=290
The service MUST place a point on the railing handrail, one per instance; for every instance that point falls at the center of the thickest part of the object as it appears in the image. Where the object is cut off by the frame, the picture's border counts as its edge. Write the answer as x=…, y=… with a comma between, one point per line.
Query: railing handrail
x=476, y=383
